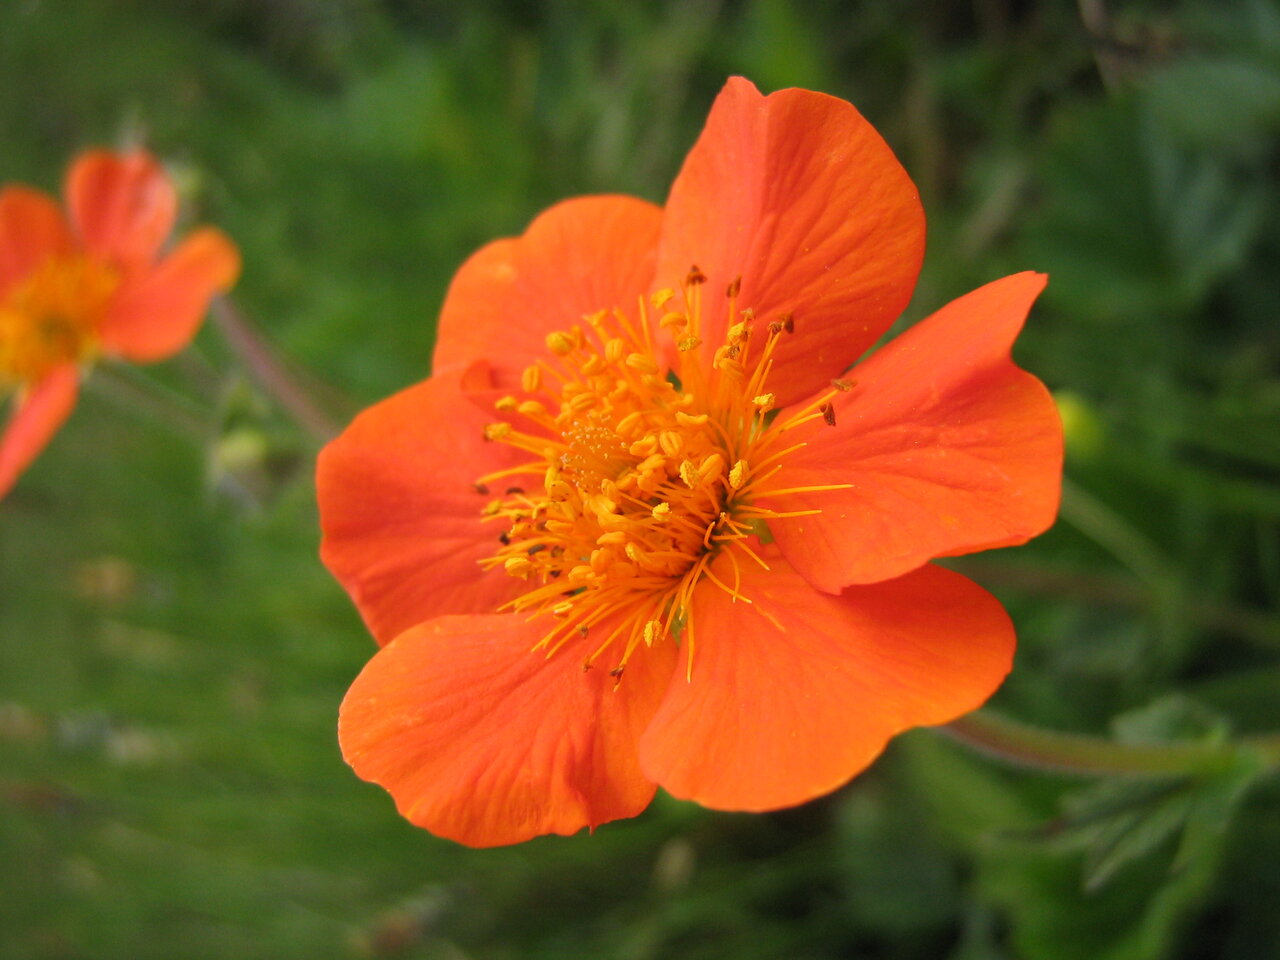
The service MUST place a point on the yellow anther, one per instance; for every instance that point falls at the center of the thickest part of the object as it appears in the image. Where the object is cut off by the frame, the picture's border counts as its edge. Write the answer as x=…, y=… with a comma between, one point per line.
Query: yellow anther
x=581, y=574
x=689, y=474
x=662, y=511
x=764, y=402
x=662, y=298
x=652, y=631
x=613, y=537
x=844, y=386
x=531, y=379
x=671, y=441
x=559, y=343
x=506, y=404
x=691, y=420
x=496, y=431
x=737, y=333
x=595, y=364
x=518, y=566
x=600, y=560
x=642, y=363
x=672, y=321
x=737, y=475
x=614, y=349
x=688, y=343
x=492, y=508
x=531, y=408
x=562, y=609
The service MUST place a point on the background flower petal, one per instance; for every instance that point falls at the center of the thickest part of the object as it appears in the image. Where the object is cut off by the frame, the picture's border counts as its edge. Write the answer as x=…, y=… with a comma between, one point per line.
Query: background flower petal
x=36, y=417
x=797, y=194
x=578, y=257
x=122, y=205
x=949, y=446
x=793, y=694
x=400, y=511
x=156, y=314
x=32, y=229
x=482, y=740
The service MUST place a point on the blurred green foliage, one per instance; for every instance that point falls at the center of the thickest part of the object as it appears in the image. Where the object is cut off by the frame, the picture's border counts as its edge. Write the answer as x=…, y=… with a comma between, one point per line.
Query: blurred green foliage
x=172, y=654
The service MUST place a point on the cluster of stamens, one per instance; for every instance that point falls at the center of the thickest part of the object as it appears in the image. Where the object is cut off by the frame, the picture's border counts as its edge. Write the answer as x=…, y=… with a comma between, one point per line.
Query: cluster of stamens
x=52, y=317
x=638, y=480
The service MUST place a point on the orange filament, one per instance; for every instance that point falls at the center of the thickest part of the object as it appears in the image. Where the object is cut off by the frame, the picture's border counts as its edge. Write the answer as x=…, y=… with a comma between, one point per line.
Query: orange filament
x=53, y=317
x=643, y=483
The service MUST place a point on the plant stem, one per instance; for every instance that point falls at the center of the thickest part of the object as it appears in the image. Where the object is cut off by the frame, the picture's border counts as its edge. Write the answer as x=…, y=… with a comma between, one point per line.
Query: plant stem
x=1024, y=745
x=260, y=358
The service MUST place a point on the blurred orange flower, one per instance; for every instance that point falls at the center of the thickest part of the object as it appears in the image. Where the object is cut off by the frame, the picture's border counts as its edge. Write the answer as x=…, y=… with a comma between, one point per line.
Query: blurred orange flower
x=93, y=284
x=645, y=527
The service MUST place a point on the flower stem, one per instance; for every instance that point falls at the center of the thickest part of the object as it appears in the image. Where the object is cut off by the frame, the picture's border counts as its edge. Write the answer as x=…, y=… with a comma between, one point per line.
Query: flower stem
x=270, y=371
x=1024, y=745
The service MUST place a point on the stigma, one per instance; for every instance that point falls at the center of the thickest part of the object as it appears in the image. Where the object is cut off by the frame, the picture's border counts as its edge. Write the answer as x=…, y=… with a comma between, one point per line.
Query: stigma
x=646, y=449
x=52, y=318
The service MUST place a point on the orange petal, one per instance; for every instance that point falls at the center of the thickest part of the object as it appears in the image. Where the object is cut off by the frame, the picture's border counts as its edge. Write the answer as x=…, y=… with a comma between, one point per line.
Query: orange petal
x=949, y=447
x=579, y=257
x=156, y=314
x=36, y=417
x=793, y=694
x=484, y=741
x=798, y=195
x=400, y=512
x=31, y=231
x=122, y=205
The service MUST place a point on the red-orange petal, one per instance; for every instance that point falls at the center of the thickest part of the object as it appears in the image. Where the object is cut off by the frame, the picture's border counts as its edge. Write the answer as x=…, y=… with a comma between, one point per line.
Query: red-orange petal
x=37, y=415
x=157, y=313
x=578, y=257
x=950, y=448
x=31, y=231
x=798, y=195
x=480, y=739
x=400, y=512
x=123, y=205
x=793, y=694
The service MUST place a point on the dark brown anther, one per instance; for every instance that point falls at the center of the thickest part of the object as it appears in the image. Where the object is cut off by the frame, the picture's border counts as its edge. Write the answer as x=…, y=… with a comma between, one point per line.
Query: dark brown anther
x=788, y=323
x=586, y=666
x=555, y=573
x=844, y=386
x=511, y=491
x=504, y=538
x=734, y=287
x=828, y=414
x=695, y=276
x=481, y=489
x=616, y=672
x=583, y=630
x=733, y=351
x=537, y=548
x=775, y=327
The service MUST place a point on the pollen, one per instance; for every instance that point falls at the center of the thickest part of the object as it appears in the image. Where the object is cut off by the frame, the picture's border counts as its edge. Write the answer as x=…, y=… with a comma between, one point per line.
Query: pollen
x=644, y=477
x=53, y=317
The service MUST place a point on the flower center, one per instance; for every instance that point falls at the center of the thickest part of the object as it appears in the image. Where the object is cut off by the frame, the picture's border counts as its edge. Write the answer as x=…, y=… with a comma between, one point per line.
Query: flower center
x=639, y=479
x=52, y=318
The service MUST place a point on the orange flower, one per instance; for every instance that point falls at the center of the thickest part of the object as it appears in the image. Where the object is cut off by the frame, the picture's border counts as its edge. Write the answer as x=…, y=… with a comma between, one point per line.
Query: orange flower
x=642, y=528
x=95, y=286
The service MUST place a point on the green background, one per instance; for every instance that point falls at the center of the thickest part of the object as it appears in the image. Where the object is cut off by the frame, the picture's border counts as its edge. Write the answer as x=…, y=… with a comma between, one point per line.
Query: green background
x=172, y=654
